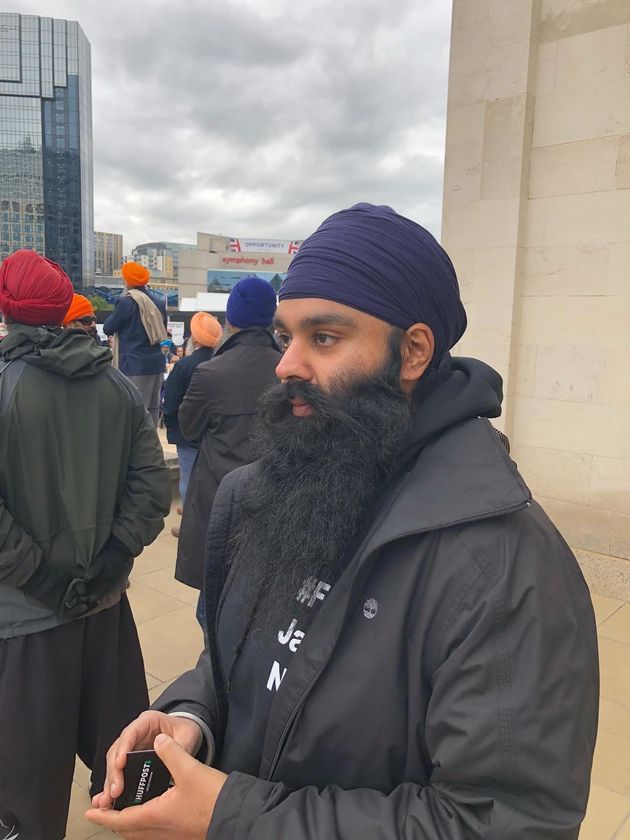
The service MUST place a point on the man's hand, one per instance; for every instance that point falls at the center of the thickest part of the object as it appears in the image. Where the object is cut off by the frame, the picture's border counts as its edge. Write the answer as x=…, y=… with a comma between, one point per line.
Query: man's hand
x=184, y=811
x=139, y=735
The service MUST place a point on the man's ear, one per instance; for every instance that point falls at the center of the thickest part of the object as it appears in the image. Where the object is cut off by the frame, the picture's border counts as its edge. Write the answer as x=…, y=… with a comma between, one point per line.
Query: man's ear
x=417, y=349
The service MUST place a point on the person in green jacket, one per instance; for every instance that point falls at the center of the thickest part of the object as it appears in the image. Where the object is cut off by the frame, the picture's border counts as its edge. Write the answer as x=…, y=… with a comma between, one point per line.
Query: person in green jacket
x=83, y=488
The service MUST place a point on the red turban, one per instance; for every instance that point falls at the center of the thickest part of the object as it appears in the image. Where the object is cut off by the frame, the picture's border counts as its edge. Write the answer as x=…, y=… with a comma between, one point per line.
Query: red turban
x=205, y=329
x=135, y=274
x=34, y=290
x=79, y=307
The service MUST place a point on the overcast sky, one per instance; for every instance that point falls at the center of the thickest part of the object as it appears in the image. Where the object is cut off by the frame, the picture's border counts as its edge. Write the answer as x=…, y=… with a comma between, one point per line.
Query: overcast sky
x=261, y=117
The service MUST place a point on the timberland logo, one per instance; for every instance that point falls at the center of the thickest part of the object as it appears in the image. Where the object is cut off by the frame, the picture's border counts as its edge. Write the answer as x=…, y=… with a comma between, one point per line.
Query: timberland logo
x=370, y=608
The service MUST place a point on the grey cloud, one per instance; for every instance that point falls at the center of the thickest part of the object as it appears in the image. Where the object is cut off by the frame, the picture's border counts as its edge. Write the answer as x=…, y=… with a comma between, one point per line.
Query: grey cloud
x=262, y=118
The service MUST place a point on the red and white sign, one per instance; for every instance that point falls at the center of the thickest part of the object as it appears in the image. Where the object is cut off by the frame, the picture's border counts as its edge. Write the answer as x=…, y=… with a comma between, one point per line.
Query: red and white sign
x=275, y=246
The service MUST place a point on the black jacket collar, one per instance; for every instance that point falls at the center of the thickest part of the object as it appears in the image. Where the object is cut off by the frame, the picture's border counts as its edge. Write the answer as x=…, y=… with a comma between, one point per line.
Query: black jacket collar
x=461, y=476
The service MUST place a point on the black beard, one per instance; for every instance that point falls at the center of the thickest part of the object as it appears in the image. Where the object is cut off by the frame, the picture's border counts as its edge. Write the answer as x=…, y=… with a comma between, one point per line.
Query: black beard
x=315, y=480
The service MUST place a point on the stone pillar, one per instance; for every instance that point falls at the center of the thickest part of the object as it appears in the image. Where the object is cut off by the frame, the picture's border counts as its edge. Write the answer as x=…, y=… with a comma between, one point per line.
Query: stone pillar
x=537, y=220
x=488, y=148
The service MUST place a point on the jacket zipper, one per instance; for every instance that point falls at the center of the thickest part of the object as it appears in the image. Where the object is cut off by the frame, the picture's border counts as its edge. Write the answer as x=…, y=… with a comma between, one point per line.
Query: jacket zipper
x=299, y=704
x=309, y=687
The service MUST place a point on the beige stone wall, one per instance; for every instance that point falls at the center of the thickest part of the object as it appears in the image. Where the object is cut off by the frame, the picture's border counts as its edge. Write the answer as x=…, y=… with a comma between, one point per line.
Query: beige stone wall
x=537, y=220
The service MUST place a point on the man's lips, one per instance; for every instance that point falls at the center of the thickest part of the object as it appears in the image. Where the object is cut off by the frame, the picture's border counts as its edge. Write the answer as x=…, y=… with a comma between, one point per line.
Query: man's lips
x=300, y=408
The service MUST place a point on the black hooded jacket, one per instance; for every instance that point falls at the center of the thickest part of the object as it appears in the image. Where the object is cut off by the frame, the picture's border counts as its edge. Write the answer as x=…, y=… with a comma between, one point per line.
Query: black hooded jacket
x=447, y=686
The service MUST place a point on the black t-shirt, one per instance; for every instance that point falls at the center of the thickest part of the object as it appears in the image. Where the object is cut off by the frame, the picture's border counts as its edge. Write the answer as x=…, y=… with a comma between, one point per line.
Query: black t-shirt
x=258, y=670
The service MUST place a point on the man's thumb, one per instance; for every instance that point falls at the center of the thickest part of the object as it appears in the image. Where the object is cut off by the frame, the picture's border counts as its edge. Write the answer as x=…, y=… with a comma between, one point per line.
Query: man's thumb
x=174, y=757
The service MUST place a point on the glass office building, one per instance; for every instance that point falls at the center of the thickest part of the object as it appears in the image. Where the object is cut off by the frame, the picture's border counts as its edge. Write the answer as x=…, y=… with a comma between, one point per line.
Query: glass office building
x=108, y=252
x=161, y=256
x=46, y=191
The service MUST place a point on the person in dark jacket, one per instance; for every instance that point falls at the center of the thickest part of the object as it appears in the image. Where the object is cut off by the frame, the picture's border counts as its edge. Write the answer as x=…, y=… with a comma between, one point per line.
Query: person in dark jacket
x=206, y=332
x=139, y=325
x=83, y=488
x=219, y=408
x=399, y=642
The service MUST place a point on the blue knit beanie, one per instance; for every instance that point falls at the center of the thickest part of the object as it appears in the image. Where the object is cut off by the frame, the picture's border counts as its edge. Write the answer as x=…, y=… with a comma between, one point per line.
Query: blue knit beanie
x=252, y=303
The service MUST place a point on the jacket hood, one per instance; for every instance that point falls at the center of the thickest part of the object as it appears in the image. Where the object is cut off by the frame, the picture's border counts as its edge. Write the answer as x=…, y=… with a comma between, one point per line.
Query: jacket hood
x=455, y=469
x=458, y=389
x=69, y=353
x=248, y=335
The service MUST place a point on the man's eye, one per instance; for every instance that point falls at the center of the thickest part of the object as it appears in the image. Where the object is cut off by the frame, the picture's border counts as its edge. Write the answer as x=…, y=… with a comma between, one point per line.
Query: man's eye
x=324, y=340
x=284, y=340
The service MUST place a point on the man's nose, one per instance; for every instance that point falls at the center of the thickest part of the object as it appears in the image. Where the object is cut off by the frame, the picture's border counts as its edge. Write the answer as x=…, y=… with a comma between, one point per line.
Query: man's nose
x=294, y=364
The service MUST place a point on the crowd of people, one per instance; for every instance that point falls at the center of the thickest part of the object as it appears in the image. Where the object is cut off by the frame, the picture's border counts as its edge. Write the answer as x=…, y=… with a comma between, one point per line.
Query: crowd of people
x=397, y=641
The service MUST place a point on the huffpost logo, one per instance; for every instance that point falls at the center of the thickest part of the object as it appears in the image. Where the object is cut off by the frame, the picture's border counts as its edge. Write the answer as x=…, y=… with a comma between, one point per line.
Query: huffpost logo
x=142, y=784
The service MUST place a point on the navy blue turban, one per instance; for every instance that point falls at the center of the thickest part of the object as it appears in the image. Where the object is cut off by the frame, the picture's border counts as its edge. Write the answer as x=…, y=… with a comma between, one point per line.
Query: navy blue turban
x=252, y=303
x=372, y=259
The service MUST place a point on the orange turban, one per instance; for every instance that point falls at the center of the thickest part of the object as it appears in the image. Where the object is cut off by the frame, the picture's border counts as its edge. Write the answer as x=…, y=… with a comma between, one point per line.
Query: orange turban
x=135, y=274
x=79, y=307
x=205, y=329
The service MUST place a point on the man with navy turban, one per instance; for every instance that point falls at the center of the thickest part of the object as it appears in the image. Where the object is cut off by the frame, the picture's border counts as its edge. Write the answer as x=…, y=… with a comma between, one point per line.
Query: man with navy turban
x=400, y=645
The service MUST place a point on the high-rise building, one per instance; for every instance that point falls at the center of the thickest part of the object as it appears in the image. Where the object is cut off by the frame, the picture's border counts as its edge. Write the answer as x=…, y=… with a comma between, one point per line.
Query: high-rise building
x=46, y=192
x=161, y=257
x=108, y=252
